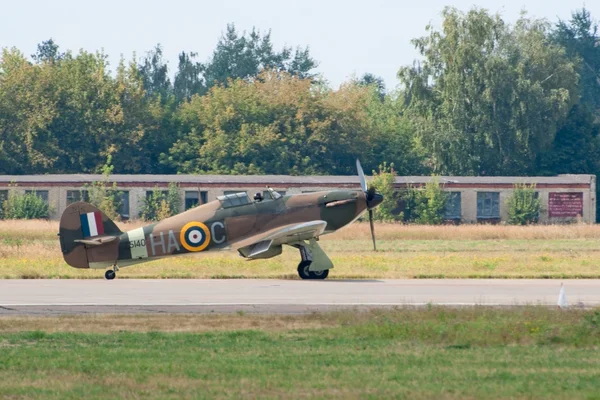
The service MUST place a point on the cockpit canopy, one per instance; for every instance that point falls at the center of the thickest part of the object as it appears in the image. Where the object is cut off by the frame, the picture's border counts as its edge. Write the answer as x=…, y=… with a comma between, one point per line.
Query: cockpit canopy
x=234, y=200
x=242, y=198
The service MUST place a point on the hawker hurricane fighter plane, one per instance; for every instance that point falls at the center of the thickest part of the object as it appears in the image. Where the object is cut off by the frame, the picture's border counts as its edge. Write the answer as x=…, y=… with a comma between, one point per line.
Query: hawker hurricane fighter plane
x=256, y=229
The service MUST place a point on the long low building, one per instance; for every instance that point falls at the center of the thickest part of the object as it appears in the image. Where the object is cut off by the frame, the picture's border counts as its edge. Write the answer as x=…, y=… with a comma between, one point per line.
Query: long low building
x=564, y=198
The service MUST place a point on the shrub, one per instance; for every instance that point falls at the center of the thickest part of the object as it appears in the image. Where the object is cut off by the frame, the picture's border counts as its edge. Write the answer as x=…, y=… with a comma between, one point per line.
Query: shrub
x=24, y=206
x=424, y=205
x=432, y=203
x=104, y=195
x=523, y=205
x=383, y=181
x=159, y=205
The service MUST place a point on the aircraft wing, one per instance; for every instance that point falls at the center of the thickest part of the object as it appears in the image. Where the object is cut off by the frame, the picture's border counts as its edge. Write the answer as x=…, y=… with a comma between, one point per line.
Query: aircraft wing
x=261, y=243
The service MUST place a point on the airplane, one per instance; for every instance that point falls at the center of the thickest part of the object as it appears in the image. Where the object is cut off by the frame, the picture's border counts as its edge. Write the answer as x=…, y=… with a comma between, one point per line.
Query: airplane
x=256, y=229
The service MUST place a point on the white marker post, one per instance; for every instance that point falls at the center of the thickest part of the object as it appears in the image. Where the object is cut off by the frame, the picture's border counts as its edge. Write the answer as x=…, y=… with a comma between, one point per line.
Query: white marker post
x=562, y=297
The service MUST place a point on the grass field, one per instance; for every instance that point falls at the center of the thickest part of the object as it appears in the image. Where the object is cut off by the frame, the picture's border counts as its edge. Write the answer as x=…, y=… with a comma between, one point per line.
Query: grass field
x=30, y=249
x=522, y=353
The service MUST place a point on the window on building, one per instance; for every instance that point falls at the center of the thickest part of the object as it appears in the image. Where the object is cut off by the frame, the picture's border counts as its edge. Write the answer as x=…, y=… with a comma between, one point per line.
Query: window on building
x=73, y=196
x=488, y=205
x=194, y=198
x=453, y=206
x=124, y=205
x=149, y=193
x=267, y=194
x=43, y=194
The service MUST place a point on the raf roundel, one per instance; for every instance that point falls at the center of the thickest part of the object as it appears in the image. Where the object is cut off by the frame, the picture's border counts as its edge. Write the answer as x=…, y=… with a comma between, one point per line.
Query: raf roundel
x=195, y=236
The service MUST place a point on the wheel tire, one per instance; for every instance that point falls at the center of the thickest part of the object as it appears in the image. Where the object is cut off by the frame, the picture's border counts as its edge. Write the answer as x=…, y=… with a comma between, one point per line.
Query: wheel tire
x=303, y=271
x=319, y=274
x=110, y=275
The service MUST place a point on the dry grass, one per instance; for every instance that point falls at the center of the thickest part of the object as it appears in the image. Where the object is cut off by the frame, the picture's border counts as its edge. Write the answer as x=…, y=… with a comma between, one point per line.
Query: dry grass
x=30, y=249
x=165, y=323
x=467, y=232
x=46, y=230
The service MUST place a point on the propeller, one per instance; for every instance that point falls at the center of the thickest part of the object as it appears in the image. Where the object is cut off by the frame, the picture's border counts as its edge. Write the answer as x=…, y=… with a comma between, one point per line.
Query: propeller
x=373, y=199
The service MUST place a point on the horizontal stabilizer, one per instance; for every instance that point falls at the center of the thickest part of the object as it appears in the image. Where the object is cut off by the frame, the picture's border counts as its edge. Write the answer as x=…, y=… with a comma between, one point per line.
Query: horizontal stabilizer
x=97, y=241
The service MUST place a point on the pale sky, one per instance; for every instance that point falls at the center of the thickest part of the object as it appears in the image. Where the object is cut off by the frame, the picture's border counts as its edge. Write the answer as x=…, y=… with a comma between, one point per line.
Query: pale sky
x=347, y=37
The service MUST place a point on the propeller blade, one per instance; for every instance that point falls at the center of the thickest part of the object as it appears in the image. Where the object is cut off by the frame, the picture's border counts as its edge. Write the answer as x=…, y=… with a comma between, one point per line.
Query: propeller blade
x=361, y=175
x=372, y=229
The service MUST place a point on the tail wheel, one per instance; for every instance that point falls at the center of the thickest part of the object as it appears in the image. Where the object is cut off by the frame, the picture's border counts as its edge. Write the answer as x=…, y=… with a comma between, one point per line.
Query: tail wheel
x=110, y=274
x=305, y=273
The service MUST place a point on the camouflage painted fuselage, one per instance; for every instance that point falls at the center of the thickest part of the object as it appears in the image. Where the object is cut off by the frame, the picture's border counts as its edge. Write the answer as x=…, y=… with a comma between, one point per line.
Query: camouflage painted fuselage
x=205, y=228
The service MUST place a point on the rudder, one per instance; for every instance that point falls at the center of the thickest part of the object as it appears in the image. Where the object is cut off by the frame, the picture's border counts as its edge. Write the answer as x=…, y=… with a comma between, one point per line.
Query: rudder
x=82, y=221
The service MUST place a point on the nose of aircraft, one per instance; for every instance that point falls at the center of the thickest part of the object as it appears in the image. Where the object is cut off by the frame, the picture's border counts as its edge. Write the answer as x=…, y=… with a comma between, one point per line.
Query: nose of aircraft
x=374, y=201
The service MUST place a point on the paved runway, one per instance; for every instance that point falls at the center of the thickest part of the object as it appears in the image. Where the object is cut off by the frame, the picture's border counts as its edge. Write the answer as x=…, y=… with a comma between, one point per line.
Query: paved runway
x=277, y=296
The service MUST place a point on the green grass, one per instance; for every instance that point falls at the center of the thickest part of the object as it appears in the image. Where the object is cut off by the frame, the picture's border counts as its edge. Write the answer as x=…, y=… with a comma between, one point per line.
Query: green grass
x=426, y=353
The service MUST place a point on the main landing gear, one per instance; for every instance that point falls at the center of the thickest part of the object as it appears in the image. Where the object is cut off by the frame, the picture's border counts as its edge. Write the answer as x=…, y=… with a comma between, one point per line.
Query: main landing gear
x=304, y=267
x=111, y=273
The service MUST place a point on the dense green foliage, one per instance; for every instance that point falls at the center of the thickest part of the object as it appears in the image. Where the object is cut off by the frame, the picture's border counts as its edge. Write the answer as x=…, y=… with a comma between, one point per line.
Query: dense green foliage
x=487, y=98
x=103, y=194
x=24, y=206
x=431, y=203
x=159, y=205
x=523, y=205
x=417, y=353
x=383, y=182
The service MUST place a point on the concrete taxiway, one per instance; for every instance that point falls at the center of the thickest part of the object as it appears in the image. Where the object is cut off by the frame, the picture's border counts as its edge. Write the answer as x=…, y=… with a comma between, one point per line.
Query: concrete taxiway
x=278, y=296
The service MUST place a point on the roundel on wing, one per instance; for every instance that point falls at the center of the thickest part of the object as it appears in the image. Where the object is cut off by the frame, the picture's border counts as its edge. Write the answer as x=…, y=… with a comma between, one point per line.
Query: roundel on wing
x=194, y=236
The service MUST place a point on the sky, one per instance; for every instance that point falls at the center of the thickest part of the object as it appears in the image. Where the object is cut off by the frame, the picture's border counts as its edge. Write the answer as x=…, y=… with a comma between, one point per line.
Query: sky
x=348, y=38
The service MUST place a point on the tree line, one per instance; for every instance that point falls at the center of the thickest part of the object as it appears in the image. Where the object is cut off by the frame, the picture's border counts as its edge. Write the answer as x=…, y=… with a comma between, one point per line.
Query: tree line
x=485, y=98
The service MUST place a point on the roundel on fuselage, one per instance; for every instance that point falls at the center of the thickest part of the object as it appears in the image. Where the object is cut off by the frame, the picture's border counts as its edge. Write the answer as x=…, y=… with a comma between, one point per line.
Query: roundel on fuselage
x=194, y=236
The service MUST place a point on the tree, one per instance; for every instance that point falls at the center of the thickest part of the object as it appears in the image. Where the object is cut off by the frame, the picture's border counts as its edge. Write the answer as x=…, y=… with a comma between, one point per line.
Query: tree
x=27, y=110
x=188, y=79
x=488, y=97
x=247, y=55
x=377, y=82
x=581, y=40
x=276, y=124
x=47, y=52
x=155, y=74
x=576, y=146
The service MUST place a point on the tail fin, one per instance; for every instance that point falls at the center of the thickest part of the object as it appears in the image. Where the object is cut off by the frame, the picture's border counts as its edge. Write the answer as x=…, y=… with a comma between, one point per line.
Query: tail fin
x=82, y=224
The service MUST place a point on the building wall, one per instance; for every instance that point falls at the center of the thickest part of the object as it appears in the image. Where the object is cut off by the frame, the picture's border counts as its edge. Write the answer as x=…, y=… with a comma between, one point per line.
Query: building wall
x=57, y=194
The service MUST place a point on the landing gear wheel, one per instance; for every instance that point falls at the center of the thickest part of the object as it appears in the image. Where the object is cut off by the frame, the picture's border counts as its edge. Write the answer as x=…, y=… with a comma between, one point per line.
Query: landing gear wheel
x=303, y=269
x=304, y=273
x=110, y=274
x=319, y=274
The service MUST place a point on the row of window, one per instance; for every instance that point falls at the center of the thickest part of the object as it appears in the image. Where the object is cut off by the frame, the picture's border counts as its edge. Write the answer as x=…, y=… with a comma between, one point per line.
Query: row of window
x=488, y=205
x=192, y=198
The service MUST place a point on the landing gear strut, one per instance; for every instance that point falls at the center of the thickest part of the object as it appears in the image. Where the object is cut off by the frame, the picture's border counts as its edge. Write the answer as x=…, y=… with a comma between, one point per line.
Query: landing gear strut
x=111, y=273
x=304, y=267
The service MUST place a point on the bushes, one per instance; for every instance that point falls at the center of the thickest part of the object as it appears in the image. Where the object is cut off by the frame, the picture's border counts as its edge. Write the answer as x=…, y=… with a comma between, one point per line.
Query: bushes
x=104, y=195
x=430, y=203
x=523, y=205
x=24, y=206
x=420, y=205
x=383, y=182
x=159, y=205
